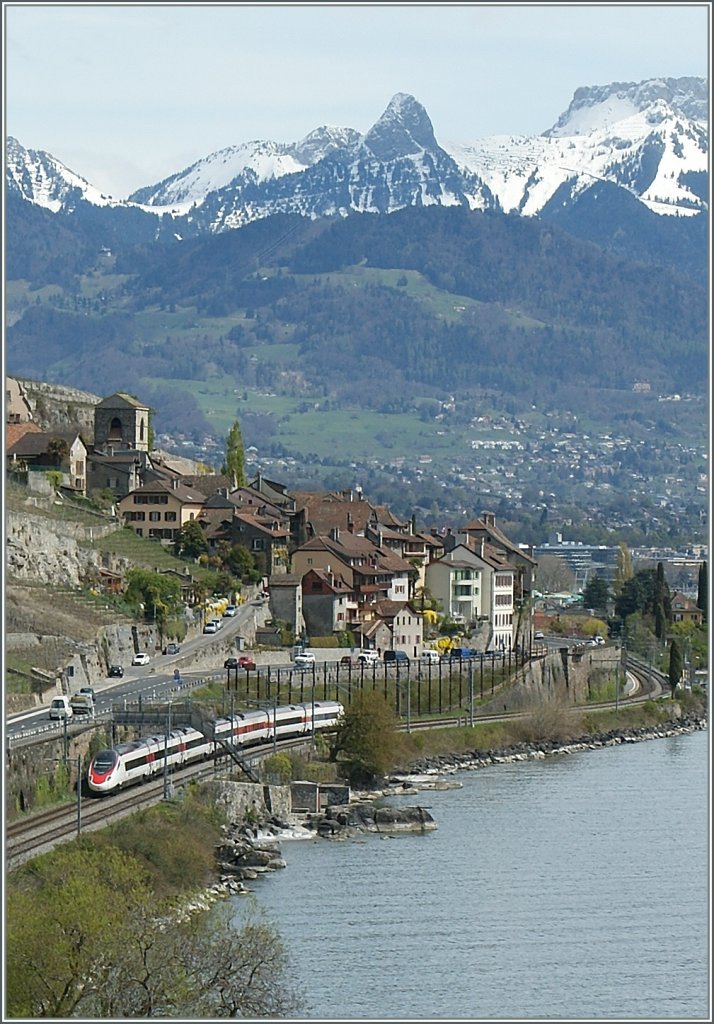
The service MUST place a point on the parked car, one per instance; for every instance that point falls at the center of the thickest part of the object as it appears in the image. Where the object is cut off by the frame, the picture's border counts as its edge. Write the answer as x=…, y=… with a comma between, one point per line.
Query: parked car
x=172, y=648
x=115, y=672
x=247, y=663
x=396, y=658
x=142, y=658
x=230, y=611
x=367, y=657
x=230, y=663
x=210, y=627
x=347, y=659
x=459, y=653
x=60, y=708
x=306, y=659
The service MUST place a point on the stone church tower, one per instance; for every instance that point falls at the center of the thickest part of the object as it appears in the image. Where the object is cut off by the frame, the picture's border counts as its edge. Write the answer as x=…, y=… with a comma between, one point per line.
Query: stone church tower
x=121, y=423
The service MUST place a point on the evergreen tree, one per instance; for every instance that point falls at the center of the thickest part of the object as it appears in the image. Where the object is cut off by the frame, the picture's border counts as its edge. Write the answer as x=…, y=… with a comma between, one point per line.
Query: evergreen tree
x=596, y=593
x=235, y=456
x=703, y=589
x=662, y=595
x=676, y=665
x=191, y=540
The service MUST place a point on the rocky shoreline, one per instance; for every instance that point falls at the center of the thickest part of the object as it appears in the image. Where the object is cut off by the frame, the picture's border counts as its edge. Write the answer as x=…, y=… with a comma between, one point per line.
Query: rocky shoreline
x=547, y=748
x=251, y=850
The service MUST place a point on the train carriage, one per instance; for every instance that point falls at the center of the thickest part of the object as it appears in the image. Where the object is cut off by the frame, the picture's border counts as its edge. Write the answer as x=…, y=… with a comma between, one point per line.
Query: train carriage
x=128, y=763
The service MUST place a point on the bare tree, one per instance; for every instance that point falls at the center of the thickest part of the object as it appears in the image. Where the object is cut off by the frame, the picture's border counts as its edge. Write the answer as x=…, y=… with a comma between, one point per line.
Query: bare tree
x=554, y=575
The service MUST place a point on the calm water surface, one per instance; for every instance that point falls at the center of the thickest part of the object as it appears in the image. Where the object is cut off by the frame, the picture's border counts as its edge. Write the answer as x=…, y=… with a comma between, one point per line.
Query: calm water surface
x=575, y=888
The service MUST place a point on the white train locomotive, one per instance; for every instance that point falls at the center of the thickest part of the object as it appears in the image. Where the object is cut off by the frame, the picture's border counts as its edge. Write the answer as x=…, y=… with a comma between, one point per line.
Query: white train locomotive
x=127, y=763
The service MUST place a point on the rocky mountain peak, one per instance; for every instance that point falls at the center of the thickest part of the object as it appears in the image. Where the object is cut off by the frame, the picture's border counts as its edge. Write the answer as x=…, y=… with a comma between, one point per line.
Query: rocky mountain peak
x=600, y=106
x=323, y=141
x=403, y=129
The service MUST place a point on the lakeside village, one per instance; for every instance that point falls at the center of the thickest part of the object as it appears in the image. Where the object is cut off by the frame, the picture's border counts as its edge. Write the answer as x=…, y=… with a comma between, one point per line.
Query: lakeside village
x=337, y=568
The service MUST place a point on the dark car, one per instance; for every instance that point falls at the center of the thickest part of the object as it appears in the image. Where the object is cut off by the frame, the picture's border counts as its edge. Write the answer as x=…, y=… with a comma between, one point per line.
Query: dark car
x=172, y=648
x=459, y=653
x=116, y=671
x=243, y=662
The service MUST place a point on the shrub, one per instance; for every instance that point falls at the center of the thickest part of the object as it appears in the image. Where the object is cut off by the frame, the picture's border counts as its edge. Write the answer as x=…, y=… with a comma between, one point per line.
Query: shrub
x=278, y=766
x=549, y=721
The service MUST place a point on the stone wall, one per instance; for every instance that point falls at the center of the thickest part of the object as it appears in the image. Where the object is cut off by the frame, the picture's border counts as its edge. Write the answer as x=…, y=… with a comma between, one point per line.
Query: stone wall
x=238, y=799
x=25, y=765
x=60, y=407
x=558, y=677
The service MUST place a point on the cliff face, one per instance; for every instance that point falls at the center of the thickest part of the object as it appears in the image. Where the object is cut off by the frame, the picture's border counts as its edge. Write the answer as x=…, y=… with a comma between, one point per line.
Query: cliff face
x=47, y=628
x=42, y=550
x=57, y=638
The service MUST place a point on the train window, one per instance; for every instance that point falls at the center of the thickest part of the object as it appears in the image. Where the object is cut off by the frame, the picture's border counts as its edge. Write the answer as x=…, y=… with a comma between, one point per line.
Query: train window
x=104, y=760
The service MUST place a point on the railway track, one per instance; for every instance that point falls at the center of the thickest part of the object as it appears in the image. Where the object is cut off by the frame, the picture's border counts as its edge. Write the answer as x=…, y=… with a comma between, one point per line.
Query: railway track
x=37, y=833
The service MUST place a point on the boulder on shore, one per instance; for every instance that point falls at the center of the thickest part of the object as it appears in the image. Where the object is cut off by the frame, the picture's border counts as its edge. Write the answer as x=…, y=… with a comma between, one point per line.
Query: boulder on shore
x=341, y=820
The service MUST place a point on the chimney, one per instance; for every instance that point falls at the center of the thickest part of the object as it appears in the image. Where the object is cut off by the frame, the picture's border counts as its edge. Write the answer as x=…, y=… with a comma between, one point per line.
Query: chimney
x=335, y=533
x=483, y=542
x=350, y=523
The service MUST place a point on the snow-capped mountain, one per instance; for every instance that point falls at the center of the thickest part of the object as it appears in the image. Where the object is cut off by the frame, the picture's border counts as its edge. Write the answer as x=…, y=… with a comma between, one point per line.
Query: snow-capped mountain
x=41, y=179
x=331, y=172
x=648, y=138
x=256, y=161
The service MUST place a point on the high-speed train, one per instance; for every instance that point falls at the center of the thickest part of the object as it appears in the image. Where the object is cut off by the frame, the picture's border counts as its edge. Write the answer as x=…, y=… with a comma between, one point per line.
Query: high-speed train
x=135, y=761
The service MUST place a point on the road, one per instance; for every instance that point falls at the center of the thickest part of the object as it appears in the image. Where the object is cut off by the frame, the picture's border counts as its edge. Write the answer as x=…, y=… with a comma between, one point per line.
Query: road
x=147, y=681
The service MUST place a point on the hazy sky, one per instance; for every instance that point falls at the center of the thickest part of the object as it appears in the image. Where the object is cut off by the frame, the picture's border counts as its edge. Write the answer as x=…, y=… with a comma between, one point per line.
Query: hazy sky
x=127, y=94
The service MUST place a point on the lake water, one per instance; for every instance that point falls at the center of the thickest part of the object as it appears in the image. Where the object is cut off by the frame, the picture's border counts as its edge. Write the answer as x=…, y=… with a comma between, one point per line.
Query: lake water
x=575, y=888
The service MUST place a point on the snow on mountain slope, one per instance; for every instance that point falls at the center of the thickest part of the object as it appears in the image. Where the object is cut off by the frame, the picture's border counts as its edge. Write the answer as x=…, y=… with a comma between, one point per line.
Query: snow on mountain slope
x=650, y=138
x=256, y=161
x=45, y=181
x=646, y=152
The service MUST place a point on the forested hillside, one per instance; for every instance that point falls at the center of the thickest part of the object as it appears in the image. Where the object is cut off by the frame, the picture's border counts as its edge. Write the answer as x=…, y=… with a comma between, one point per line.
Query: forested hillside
x=421, y=301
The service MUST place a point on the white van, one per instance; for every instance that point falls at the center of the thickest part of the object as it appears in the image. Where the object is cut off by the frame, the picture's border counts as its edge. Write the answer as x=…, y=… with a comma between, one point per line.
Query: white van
x=60, y=708
x=367, y=657
x=429, y=657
